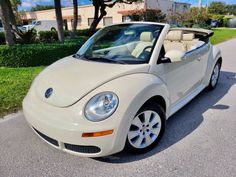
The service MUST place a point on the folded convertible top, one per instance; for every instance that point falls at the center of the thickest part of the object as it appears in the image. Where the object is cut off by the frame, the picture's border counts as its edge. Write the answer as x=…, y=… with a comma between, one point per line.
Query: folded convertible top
x=204, y=32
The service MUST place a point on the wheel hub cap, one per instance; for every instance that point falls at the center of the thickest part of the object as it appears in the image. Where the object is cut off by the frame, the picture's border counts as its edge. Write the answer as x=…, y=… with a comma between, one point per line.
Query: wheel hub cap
x=144, y=129
x=215, y=75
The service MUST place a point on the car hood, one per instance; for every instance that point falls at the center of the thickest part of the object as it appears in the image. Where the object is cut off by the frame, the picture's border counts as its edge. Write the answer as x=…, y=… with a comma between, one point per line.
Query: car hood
x=71, y=79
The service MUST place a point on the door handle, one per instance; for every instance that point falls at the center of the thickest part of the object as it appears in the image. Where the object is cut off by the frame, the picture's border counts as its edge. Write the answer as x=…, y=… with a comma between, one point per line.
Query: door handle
x=199, y=59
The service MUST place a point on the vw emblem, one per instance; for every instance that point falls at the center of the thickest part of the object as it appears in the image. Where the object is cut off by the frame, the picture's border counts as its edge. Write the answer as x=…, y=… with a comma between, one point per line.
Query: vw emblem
x=48, y=92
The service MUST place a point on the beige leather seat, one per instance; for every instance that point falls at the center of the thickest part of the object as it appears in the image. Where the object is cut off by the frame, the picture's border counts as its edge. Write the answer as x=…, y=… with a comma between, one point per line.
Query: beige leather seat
x=191, y=42
x=173, y=41
x=146, y=39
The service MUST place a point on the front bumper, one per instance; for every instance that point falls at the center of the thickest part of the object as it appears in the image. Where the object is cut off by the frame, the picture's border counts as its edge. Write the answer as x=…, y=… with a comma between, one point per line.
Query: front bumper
x=63, y=128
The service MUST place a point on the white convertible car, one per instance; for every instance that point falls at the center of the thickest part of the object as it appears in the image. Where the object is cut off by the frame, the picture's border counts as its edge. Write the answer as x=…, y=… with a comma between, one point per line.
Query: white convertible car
x=118, y=90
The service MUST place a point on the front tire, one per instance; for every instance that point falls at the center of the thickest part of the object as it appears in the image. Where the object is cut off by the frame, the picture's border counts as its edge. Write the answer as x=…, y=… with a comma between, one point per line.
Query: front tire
x=214, y=76
x=147, y=129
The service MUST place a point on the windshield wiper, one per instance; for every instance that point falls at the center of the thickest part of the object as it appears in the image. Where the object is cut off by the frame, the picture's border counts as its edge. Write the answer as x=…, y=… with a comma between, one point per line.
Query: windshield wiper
x=103, y=59
x=79, y=56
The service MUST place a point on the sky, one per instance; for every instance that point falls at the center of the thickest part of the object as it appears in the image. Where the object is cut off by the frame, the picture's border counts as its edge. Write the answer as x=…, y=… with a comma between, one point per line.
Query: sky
x=28, y=4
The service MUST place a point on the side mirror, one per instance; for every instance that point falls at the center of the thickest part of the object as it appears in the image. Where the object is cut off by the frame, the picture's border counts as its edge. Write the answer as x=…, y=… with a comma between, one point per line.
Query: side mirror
x=175, y=55
x=164, y=60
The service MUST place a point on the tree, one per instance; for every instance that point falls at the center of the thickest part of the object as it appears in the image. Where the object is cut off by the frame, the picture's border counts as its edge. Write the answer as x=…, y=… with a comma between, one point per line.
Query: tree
x=75, y=19
x=42, y=7
x=11, y=15
x=60, y=30
x=4, y=14
x=199, y=4
x=100, y=10
x=14, y=6
x=217, y=8
x=231, y=9
x=150, y=15
x=195, y=16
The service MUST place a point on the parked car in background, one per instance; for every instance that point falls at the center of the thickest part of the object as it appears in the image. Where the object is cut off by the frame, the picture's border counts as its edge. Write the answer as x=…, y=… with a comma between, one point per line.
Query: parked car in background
x=118, y=90
x=42, y=25
x=2, y=29
x=25, y=28
x=215, y=23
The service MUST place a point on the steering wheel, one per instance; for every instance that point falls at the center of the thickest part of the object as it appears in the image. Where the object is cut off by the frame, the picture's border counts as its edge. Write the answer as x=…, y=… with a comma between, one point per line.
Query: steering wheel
x=144, y=54
x=144, y=50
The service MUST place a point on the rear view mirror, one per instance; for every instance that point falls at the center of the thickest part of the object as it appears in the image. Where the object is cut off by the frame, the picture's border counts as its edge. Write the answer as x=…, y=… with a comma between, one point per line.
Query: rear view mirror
x=175, y=55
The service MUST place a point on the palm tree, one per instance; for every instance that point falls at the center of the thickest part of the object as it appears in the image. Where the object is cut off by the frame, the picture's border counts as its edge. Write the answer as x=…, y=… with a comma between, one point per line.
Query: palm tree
x=75, y=19
x=199, y=4
x=14, y=5
x=4, y=14
x=60, y=30
x=11, y=15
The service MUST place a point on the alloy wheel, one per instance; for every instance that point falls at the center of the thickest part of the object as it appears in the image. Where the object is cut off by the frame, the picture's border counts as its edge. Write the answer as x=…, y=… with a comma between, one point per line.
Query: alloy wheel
x=144, y=129
x=215, y=75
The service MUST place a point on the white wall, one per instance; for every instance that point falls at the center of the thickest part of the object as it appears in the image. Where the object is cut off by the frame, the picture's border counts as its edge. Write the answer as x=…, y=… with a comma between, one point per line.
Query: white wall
x=164, y=5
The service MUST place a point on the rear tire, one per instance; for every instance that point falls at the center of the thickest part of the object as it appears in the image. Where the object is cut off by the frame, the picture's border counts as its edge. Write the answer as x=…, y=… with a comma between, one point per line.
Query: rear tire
x=147, y=129
x=214, y=76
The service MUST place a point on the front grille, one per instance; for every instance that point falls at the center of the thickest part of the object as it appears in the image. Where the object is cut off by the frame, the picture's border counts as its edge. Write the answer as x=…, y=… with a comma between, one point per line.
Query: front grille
x=48, y=139
x=82, y=149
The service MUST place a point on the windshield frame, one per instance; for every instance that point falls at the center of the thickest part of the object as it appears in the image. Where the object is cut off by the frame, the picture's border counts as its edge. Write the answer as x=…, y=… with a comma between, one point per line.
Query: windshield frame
x=90, y=40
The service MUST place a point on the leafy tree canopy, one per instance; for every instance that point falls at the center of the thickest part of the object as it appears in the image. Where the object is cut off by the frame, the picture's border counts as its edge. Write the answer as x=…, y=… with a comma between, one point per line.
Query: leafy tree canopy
x=100, y=9
x=15, y=4
x=231, y=9
x=193, y=17
x=42, y=7
x=147, y=15
x=217, y=8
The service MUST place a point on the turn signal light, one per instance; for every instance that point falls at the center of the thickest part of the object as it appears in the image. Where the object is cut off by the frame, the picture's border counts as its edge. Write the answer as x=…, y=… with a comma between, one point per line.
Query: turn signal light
x=96, y=134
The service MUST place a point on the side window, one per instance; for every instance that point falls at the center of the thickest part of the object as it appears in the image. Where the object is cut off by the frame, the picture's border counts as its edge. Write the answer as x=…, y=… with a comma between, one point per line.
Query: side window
x=162, y=52
x=162, y=56
x=78, y=21
x=107, y=21
x=90, y=21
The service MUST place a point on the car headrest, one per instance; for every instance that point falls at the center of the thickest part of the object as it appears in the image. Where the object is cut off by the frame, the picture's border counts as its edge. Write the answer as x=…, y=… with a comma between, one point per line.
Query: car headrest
x=146, y=37
x=174, y=36
x=188, y=37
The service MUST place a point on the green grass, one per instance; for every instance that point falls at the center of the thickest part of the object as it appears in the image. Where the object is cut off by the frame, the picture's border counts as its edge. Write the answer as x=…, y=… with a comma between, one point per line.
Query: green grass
x=14, y=84
x=223, y=34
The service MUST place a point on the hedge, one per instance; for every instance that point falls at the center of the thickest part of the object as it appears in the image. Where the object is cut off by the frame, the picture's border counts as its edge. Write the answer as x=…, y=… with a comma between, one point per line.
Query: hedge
x=37, y=54
x=51, y=36
x=48, y=36
x=81, y=32
x=2, y=38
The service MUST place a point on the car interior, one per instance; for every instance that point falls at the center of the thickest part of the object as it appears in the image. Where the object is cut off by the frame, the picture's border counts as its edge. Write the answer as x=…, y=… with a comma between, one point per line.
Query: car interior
x=176, y=40
x=139, y=49
x=185, y=42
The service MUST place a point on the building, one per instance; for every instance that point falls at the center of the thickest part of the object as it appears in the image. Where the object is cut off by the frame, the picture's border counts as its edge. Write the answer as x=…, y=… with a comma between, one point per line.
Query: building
x=116, y=14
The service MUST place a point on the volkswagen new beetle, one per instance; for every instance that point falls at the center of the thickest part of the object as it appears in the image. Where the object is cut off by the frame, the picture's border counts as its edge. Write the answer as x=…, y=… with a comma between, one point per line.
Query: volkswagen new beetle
x=118, y=90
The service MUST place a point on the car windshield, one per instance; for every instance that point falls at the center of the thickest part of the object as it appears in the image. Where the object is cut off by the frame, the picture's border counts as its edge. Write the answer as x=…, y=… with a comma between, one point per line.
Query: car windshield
x=123, y=44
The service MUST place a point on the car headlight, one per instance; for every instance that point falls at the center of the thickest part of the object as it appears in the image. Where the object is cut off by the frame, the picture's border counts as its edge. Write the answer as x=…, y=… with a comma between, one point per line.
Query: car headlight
x=101, y=106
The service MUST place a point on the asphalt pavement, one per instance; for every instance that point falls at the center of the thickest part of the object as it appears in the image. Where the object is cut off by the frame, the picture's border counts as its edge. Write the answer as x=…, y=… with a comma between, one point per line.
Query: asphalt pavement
x=200, y=140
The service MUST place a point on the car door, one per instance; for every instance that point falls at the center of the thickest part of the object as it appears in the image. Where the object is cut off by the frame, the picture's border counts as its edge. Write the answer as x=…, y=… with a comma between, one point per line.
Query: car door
x=182, y=77
x=203, y=55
